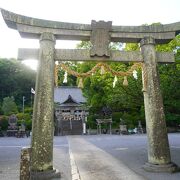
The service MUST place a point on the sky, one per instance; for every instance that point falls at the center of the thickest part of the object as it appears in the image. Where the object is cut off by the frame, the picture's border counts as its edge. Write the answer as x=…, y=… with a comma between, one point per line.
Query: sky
x=120, y=12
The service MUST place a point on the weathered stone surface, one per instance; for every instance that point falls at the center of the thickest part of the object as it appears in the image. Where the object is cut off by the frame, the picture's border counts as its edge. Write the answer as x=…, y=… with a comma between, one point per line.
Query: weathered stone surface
x=34, y=32
x=43, y=112
x=165, y=57
x=100, y=38
x=170, y=167
x=134, y=37
x=12, y=18
x=25, y=164
x=84, y=55
x=32, y=28
x=158, y=145
x=45, y=175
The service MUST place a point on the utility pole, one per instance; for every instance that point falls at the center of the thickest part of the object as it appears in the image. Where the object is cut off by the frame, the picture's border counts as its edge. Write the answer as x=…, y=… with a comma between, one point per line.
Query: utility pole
x=23, y=104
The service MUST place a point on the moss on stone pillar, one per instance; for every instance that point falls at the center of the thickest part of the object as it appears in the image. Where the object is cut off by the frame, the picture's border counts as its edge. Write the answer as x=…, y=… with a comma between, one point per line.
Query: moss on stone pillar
x=158, y=145
x=43, y=112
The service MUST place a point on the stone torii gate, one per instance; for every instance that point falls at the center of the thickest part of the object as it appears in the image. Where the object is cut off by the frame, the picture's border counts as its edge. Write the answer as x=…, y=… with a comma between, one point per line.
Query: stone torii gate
x=100, y=34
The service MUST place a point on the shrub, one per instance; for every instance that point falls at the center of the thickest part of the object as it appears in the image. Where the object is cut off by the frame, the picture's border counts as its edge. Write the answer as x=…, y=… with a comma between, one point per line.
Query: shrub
x=25, y=116
x=4, y=122
x=91, y=121
x=116, y=119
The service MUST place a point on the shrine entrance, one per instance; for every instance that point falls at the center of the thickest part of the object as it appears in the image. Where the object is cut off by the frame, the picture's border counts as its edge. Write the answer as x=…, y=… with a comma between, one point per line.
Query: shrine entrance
x=100, y=35
x=70, y=112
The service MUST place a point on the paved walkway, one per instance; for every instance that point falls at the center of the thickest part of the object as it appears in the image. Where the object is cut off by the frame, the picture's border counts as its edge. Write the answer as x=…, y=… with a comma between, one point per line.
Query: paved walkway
x=104, y=157
x=93, y=163
x=118, y=157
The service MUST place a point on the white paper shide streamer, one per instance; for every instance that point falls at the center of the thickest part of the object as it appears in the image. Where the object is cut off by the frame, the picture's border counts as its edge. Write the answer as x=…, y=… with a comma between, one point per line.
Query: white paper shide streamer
x=114, y=82
x=135, y=74
x=65, y=77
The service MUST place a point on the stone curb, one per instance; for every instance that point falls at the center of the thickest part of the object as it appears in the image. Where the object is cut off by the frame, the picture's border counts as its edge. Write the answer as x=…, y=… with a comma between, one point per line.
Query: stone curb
x=74, y=169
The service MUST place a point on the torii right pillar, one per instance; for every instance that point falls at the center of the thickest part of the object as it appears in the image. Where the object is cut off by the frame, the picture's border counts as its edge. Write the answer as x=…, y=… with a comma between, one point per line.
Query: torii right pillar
x=159, y=159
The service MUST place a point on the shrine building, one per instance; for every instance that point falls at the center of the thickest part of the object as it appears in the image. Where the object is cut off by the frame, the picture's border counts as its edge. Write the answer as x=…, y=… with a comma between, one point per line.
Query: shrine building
x=70, y=111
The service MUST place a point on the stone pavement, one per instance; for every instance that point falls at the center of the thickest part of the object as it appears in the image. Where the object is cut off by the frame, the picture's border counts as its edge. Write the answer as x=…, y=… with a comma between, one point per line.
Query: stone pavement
x=94, y=163
x=10, y=149
x=98, y=157
x=10, y=157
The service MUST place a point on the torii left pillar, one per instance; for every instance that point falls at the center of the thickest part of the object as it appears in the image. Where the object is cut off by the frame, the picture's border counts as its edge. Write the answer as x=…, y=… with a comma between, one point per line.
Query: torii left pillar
x=43, y=124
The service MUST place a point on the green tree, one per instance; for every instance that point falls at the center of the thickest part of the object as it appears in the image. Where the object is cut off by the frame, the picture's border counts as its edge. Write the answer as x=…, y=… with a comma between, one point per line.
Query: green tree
x=99, y=89
x=9, y=106
x=170, y=83
x=16, y=80
x=4, y=122
x=71, y=80
x=128, y=100
x=84, y=45
x=169, y=80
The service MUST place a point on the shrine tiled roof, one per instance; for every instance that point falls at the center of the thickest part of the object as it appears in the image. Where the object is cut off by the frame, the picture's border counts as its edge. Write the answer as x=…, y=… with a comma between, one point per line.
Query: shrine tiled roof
x=62, y=94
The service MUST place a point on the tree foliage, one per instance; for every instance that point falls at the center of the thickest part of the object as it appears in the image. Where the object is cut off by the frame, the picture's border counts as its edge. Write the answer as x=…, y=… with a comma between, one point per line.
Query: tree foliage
x=9, y=106
x=98, y=88
x=71, y=80
x=128, y=101
x=170, y=82
x=16, y=80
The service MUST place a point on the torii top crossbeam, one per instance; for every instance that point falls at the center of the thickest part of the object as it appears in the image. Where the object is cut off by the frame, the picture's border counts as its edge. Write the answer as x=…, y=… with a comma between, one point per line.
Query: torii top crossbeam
x=32, y=28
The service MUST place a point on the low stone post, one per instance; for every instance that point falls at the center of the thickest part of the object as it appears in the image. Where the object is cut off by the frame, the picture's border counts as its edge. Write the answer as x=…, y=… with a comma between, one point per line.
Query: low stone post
x=43, y=112
x=158, y=146
x=110, y=128
x=25, y=164
x=99, y=128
